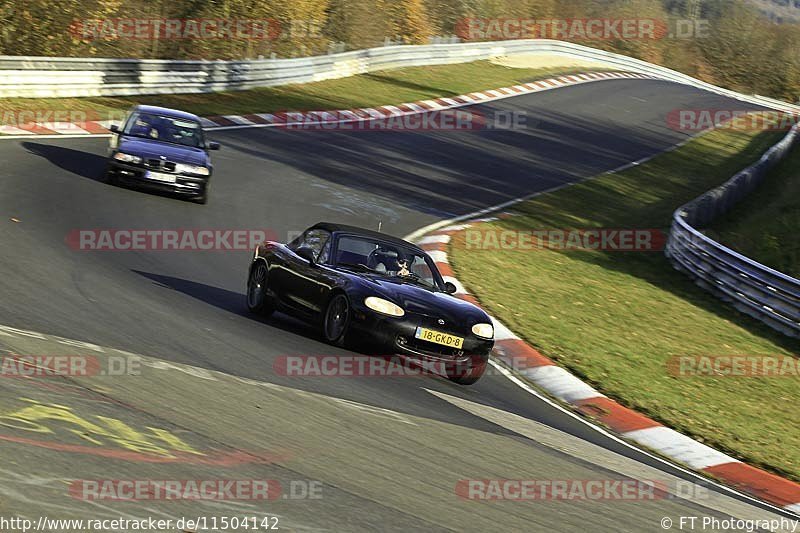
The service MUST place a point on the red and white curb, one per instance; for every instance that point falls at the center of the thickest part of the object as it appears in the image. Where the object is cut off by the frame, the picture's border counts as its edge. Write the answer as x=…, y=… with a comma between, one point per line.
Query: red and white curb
x=266, y=120
x=421, y=106
x=57, y=128
x=629, y=424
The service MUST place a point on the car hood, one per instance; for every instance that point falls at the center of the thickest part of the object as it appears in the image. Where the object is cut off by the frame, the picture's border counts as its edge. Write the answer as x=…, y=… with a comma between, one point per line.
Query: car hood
x=419, y=300
x=147, y=148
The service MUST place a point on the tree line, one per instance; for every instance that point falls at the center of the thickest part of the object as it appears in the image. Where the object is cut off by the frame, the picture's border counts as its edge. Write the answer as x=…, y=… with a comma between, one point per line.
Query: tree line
x=740, y=48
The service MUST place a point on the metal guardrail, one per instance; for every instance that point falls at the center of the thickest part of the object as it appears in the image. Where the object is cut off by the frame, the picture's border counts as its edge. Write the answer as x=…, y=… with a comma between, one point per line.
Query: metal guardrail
x=754, y=289
x=44, y=77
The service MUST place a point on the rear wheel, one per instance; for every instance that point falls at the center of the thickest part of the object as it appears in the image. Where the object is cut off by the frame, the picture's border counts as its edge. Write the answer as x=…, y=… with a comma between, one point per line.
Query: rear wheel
x=337, y=319
x=258, y=300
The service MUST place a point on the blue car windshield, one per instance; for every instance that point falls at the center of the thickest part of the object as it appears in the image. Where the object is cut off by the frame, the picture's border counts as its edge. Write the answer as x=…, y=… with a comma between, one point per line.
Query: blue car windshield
x=165, y=129
x=387, y=260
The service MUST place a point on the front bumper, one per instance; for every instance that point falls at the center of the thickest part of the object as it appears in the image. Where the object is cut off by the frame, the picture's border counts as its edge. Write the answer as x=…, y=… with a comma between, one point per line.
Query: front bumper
x=136, y=175
x=393, y=336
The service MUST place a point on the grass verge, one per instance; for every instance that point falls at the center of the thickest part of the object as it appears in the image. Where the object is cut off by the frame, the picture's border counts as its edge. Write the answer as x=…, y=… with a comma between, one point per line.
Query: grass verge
x=616, y=318
x=364, y=90
x=764, y=226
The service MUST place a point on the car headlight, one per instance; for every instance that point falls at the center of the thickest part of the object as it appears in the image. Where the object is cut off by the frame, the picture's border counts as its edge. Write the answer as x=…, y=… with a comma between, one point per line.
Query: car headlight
x=384, y=307
x=483, y=330
x=127, y=158
x=181, y=168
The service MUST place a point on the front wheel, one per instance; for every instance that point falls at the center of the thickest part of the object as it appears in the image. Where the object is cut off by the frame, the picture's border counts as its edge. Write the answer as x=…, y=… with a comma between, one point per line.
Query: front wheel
x=257, y=299
x=203, y=197
x=336, y=320
x=110, y=176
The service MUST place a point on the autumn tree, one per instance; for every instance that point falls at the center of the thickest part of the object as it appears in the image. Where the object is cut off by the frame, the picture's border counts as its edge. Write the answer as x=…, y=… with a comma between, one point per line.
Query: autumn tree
x=409, y=20
x=743, y=49
x=359, y=23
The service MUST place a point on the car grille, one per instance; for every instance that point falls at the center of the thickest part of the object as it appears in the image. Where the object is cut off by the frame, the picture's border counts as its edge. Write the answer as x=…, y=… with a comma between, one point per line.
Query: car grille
x=158, y=164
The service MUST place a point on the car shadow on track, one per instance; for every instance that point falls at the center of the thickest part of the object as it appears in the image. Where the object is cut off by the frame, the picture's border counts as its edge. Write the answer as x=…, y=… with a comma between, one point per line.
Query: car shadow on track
x=87, y=165
x=234, y=302
x=346, y=387
x=446, y=173
x=79, y=162
x=230, y=301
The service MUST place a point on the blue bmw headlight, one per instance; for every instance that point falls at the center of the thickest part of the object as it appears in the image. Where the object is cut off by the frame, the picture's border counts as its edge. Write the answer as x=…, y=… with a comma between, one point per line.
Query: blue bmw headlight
x=182, y=168
x=127, y=158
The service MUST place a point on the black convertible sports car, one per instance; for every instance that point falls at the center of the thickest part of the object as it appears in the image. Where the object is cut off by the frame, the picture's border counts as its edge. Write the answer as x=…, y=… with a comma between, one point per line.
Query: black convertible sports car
x=367, y=287
x=161, y=149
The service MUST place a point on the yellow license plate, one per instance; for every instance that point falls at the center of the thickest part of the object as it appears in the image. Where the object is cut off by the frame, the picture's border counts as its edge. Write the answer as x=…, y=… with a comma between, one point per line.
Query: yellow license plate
x=439, y=338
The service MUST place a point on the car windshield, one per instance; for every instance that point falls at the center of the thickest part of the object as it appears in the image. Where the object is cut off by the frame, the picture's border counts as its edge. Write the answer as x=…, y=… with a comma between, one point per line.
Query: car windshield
x=166, y=129
x=387, y=260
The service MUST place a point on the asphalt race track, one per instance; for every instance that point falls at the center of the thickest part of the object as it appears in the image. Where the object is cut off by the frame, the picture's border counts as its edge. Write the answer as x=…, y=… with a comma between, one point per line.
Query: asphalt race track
x=388, y=451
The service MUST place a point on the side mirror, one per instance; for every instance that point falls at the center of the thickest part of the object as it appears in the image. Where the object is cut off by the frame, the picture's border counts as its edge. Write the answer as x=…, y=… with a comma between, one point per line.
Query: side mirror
x=213, y=146
x=306, y=253
x=450, y=288
x=113, y=128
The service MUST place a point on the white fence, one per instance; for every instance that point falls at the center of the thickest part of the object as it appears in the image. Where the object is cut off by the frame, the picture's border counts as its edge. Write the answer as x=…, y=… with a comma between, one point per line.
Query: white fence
x=43, y=77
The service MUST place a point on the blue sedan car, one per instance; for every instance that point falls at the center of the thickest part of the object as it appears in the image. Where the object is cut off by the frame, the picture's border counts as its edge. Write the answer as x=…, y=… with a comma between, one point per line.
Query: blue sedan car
x=161, y=149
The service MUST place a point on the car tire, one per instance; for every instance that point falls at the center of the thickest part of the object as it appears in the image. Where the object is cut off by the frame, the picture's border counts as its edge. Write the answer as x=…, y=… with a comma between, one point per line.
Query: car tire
x=258, y=300
x=469, y=375
x=336, y=320
x=110, y=177
x=202, y=199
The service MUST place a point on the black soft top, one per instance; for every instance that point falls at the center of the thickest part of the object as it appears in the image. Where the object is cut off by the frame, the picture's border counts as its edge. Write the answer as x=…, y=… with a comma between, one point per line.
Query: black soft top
x=355, y=230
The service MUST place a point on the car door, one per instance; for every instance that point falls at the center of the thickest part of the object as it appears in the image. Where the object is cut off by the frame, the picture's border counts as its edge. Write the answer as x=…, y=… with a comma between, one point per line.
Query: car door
x=301, y=285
